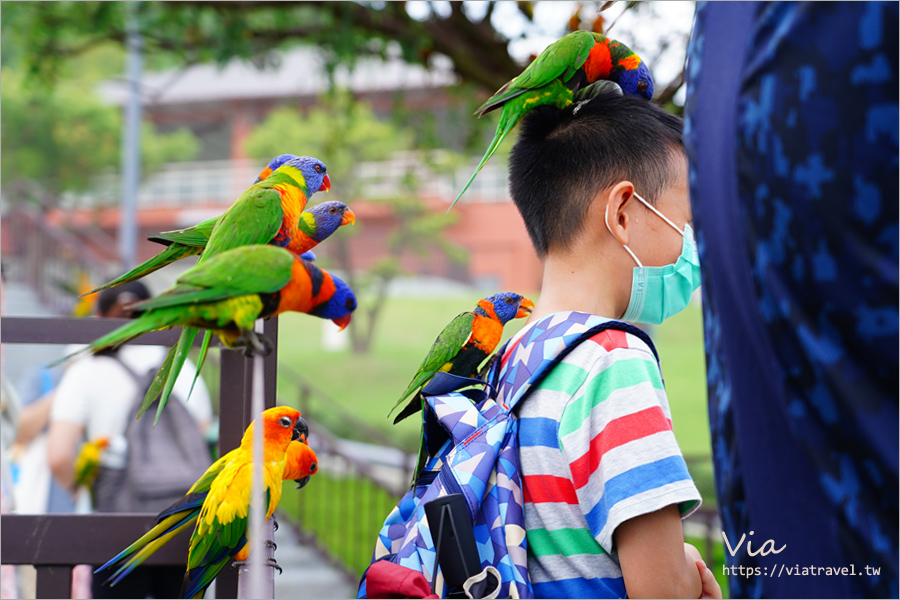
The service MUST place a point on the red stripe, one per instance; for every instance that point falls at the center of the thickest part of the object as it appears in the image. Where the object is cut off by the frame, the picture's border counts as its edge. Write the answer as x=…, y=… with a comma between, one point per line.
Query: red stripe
x=547, y=488
x=610, y=339
x=617, y=432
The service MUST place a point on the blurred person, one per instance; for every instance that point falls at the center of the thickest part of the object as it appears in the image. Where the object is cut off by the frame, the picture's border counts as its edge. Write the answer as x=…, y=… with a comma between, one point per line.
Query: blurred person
x=95, y=398
x=9, y=417
x=792, y=135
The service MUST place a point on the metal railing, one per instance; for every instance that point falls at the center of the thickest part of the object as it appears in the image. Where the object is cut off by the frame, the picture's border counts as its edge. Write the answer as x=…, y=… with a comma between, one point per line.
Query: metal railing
x=54, y=544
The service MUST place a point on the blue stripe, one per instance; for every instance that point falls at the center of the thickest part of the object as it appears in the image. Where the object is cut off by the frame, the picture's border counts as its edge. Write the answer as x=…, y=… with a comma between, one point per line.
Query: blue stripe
x=538, y=431
x=635, y=481
x=612, y=587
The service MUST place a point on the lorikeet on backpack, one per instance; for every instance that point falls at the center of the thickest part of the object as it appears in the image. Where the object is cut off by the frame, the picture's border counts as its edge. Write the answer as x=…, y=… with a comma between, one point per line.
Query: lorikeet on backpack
x=465, y=343
x=574, y=61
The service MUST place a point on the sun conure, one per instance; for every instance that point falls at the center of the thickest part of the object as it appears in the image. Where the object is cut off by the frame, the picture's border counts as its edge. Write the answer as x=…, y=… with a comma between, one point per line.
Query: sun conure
x=300, y=464
x=575, y=60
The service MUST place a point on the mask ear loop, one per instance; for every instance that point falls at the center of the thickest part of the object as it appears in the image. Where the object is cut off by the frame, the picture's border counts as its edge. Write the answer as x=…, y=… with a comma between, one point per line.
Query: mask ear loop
x=627, y=249
x=661, y=216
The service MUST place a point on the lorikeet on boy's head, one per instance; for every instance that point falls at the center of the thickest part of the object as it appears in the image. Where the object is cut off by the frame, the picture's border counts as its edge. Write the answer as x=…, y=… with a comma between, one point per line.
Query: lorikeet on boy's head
x=568, y=64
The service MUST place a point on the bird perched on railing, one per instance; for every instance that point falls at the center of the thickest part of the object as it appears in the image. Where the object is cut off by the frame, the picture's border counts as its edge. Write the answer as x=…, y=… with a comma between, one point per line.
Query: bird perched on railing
x=226, y=295
x=300, y=464
x=218, y=504
x=574, y=61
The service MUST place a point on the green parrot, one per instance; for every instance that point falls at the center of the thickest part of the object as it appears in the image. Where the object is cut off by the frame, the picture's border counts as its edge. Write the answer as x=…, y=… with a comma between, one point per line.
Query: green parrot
x=461, y=347
x=568, y=64
x=267, y=213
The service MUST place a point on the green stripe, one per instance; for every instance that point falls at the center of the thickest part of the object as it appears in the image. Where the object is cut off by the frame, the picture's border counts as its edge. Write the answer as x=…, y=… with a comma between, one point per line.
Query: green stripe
x=564, y=378
x=568, y=542
x=623, y=373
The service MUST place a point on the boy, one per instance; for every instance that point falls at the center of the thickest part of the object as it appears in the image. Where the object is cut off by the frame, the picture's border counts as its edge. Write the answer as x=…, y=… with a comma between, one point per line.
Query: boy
x=602, y=188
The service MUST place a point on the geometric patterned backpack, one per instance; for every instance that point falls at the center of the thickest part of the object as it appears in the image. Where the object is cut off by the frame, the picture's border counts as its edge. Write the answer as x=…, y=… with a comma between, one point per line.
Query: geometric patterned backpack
x=473, y=451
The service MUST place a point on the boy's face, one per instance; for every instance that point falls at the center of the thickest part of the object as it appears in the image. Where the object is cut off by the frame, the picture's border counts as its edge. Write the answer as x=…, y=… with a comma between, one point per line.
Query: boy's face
x=655, y=242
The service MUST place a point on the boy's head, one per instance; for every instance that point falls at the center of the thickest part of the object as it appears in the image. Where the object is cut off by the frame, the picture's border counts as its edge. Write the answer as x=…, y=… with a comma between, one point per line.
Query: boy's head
x=563, y=160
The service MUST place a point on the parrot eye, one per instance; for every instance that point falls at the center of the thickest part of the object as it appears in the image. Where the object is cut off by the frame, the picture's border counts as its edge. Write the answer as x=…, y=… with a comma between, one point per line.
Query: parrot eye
x=333, y=211
x=349, y=303
x=642, y=86
x=313, y=467
x=508, y=300
x=319, y=168
x=285, y=422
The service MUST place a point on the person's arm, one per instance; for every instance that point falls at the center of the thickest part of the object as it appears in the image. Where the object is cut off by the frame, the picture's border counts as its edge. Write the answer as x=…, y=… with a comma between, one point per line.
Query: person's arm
x=655, y=561
x=34, y=418
x=62, y=446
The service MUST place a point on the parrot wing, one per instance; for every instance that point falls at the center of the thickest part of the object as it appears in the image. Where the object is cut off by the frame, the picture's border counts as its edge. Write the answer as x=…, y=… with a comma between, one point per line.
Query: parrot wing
x=221, y=530
x=169, y=523
x=196, y=236
x=254, y=218
x=246, y=270
x=559, y=60
x=448, y=343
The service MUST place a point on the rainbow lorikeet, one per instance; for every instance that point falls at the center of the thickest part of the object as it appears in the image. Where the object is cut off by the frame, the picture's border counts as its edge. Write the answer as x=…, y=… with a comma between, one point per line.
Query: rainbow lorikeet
x=300, y=464
x=465, y=343
x=313, y=227
x=226, y=295
x=267, y=213
x=575, y=60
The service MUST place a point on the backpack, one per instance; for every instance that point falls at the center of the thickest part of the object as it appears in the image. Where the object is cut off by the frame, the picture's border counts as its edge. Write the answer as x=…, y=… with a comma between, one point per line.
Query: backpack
x=162, y=462
x=471, y=436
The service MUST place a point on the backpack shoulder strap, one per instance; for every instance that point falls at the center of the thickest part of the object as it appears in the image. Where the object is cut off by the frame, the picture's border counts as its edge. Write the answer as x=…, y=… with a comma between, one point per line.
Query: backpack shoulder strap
x=588, y=334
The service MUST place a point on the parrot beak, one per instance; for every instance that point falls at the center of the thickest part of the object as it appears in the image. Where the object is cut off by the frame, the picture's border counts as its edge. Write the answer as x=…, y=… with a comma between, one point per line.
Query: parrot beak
x=301, y=430
x=342, y=322
x=326, y=183
x=301, y=482
x=265, y=173
x=349, y=218
x=525, y=308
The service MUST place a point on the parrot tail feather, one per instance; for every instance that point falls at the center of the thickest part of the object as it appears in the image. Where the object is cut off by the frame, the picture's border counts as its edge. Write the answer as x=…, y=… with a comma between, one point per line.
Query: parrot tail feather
x=498, y=138
x=158, y=382
x=166, y=257
x=204, y=349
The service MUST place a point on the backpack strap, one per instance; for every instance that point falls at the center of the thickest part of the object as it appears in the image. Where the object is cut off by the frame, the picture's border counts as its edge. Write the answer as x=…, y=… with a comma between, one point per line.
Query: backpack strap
x=494, y=375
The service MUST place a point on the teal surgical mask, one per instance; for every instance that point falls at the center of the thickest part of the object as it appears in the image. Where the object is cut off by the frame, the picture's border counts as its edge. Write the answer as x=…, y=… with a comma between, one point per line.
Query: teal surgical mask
x=657, y=293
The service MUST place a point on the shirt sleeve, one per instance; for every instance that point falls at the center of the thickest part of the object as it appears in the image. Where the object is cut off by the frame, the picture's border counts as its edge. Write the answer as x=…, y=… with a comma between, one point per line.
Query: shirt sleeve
x=616, y=436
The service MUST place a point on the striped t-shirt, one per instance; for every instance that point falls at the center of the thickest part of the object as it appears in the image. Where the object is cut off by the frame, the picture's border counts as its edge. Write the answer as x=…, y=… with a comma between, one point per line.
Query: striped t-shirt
x=596, y=448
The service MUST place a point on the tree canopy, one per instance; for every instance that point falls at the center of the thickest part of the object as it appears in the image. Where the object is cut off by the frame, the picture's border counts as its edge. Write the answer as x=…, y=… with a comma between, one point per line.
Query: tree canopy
x=47, y=33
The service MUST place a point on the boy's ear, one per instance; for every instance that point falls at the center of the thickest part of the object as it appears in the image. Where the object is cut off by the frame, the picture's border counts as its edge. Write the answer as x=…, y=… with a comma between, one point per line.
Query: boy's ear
x=618, y=219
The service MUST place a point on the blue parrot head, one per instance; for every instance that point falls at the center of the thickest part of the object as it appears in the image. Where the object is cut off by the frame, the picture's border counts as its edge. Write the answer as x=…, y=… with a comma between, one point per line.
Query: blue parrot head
x=339, y=307
x=328, y=217
x=312, y=170
x=636, y=82
x=274, y=164
x=506, y=306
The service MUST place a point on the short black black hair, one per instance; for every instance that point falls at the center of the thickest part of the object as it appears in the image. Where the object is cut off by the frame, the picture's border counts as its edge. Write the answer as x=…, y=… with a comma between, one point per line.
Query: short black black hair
x=110, y=296
x=562, y=159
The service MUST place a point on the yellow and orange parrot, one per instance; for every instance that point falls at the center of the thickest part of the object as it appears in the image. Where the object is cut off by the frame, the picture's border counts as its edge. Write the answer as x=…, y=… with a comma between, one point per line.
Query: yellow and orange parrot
x=219, y=503
x=87, y=463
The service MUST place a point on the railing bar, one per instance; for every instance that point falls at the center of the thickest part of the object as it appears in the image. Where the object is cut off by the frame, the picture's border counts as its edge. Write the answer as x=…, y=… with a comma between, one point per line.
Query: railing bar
x=53, y=581
x=70, y=330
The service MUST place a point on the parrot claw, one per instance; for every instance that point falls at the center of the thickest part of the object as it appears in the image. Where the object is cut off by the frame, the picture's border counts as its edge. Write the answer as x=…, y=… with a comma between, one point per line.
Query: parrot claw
x=270, y=562
x=271, y=544
x=274, y=523
x=254, y=344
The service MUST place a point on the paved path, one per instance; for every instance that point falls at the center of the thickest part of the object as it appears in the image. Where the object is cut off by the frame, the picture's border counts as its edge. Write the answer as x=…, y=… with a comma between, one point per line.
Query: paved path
x=306, y=574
